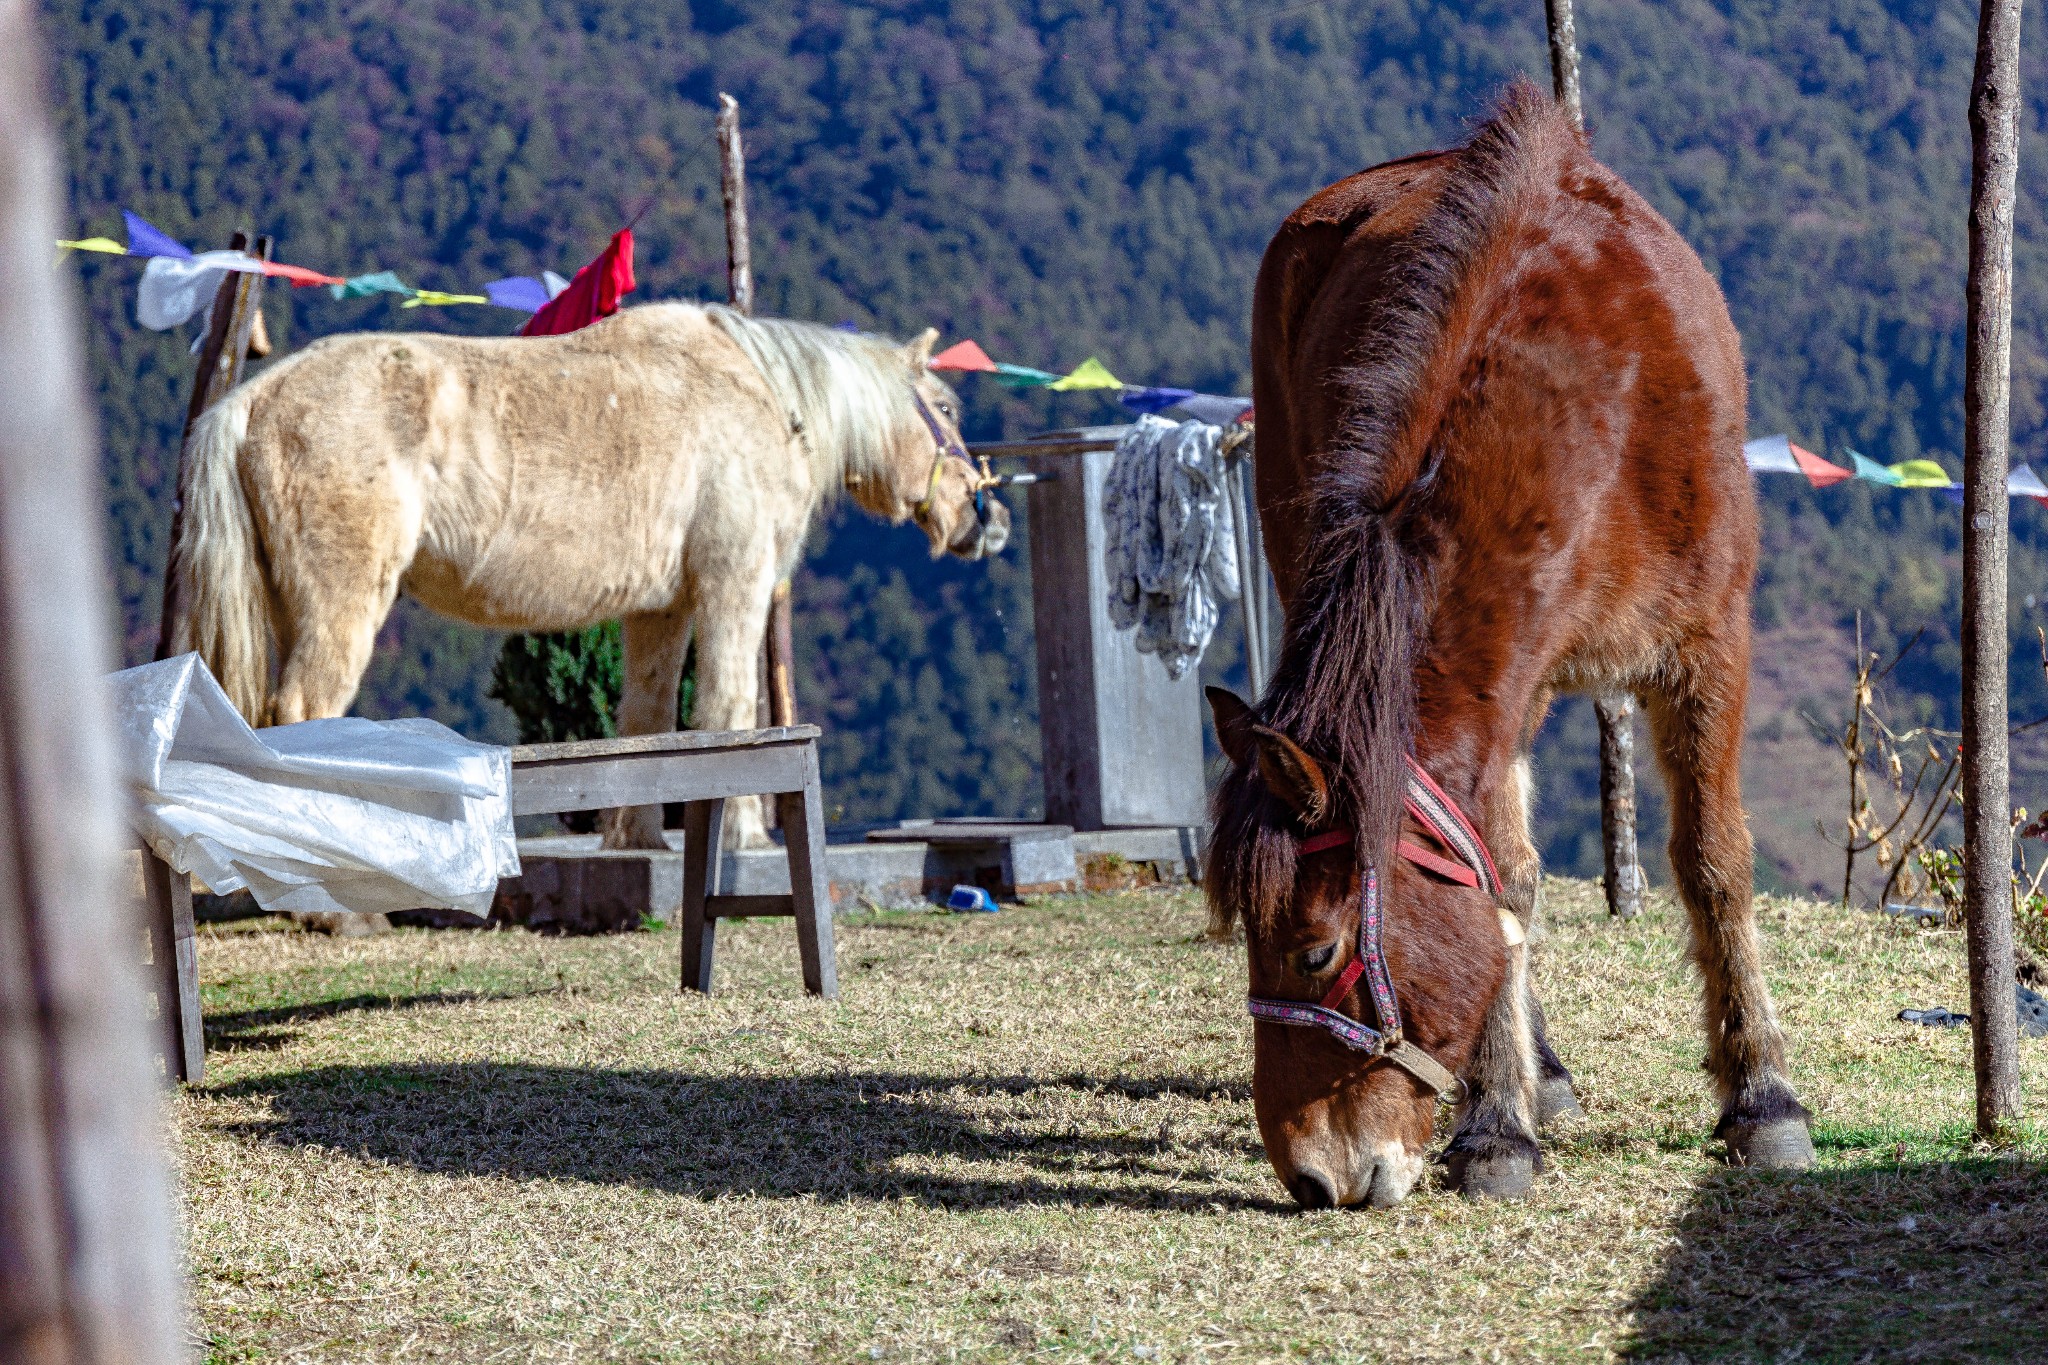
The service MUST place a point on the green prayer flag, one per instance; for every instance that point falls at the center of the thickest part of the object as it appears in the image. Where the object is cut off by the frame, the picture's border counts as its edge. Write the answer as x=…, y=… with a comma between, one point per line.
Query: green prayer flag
x=1922, y=474
x=362, y=286
x=1089, y=374
x=1875, y=472
x=1022, y=377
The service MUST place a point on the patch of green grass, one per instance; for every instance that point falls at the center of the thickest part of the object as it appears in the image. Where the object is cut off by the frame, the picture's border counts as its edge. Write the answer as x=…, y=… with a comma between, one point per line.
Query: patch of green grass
x=1029, y=1135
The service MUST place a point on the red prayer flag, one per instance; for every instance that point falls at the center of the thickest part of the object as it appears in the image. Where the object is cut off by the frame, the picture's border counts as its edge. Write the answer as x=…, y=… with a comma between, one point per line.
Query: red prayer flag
x=299, y=275
x=963, y=355
x=1818, y=472
x=593, y=294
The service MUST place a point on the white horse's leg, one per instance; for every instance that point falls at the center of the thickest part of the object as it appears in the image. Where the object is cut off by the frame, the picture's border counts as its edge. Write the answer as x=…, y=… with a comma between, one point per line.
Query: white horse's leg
x=655, y=644
x=334, y=593
x=732, y=618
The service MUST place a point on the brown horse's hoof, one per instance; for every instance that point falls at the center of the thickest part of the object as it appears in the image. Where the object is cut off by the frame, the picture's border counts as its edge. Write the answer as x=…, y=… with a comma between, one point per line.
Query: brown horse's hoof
x=1491, y=1167
x=1775, y=1145
x=1555, y=1100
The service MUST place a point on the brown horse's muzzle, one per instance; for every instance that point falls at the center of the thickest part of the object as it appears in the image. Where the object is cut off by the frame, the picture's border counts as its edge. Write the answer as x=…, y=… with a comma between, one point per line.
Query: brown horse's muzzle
x=1340, y=1133
x=984, y=534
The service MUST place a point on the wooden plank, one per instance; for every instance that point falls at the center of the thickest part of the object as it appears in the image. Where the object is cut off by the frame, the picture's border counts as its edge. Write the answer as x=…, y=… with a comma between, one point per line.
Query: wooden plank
x=672, y=742
x=1995, y=106
x=703, y=826
x=803, y=829
x=89, y=1248
x=650, y=778
x=174, y=969
x=749, y=907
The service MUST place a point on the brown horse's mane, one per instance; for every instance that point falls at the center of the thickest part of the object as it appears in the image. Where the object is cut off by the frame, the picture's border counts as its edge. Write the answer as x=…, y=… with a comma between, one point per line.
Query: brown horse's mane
x=1344, y=685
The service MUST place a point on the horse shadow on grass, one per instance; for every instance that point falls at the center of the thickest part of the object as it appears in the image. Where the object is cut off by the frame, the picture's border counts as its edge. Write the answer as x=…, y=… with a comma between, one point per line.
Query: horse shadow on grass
x=948, y=1140
x=1890, y=1261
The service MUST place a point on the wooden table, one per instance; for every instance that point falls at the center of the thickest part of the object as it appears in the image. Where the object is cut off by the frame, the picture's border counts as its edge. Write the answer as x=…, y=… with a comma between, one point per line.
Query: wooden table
x=700, y=768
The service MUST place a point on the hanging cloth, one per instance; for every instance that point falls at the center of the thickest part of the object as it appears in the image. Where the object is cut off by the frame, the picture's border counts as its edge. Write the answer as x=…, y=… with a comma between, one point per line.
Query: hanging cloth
x=1171, y=550
x=593, y=294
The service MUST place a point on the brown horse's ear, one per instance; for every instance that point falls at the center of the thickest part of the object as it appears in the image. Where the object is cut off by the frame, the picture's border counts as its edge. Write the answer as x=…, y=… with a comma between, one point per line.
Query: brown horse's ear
x=917, y=352
x=1292, y=775
x=1233, y=717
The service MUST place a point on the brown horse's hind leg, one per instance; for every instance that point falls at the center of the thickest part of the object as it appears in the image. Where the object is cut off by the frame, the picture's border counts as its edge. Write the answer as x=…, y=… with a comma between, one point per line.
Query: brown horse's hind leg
x=1698, y=727
x=327, y=643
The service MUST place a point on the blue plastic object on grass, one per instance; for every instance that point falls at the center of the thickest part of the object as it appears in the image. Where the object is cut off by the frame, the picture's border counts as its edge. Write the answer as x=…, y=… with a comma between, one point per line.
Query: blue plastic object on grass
x=971, y=900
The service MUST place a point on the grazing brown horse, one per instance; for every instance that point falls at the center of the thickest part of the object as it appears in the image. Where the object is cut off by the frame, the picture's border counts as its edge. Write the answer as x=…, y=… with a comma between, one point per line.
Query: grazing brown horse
x=1501, y=412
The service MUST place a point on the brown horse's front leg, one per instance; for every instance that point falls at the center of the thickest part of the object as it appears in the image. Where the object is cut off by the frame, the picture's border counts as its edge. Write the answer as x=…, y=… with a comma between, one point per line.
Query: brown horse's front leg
x=654, y=645
x=1698, y=726
x=1493, y=1152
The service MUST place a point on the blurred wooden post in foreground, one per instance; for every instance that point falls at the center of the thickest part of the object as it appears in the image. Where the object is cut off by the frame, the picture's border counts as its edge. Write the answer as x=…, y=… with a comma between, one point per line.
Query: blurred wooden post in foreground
x=1987, y=392
x=1621, y=864
x=739, y=289
x=233, y=334
x=88, y=1247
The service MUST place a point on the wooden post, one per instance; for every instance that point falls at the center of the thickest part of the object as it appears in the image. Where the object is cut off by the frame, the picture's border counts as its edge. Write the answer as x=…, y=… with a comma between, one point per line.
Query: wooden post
x=1987, y=391
x=1564, y=58
x=230, y=336
x=1623, y=869
x=88, y=1245
x=732, y=180
x=1623, y=865
x=739, y=290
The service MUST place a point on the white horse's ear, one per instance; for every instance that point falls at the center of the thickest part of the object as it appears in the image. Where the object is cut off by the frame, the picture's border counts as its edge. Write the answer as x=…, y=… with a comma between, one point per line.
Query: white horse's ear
x=918, y=352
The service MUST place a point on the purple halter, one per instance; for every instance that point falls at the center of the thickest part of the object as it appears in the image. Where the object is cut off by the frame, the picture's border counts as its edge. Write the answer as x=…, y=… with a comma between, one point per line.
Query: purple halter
x=1439, y=815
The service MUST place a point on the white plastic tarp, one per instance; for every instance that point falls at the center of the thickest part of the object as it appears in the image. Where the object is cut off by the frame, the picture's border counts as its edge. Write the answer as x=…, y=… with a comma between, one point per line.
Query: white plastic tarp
x=326, y=815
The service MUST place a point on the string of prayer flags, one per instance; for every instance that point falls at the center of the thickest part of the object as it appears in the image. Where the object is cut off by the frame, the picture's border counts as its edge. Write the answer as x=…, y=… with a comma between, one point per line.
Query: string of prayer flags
x=965, y=356
x=1779, y=455
x=1089, y=374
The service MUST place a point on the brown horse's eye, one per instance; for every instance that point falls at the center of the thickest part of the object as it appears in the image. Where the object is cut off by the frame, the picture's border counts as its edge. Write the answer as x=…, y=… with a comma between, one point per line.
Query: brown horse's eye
x=1318, y=959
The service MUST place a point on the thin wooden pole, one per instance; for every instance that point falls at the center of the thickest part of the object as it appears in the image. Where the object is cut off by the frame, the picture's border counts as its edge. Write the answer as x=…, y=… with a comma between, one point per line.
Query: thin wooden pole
x=739, y=287
x=1987, y=392
x=1622, y=863
x=732, y=180
x=1564, y=57
x=230, y=337
x=88, y=1246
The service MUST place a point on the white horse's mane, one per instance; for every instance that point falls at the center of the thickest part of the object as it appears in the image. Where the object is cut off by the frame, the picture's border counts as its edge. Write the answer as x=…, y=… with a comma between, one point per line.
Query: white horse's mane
x=850, y=393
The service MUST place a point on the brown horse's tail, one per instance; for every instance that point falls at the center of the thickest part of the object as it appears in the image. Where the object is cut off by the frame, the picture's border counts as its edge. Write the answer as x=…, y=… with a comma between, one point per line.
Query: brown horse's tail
x=219, y=561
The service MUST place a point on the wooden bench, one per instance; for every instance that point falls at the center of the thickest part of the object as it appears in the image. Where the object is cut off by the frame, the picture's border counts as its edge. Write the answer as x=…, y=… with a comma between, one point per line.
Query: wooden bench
x=700, y=768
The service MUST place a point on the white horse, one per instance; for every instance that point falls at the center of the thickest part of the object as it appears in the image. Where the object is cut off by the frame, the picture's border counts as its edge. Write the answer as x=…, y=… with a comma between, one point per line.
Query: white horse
x=661, y=467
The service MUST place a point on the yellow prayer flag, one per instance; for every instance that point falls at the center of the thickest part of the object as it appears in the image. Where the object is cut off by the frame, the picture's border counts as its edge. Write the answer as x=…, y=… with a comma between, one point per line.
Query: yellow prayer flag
x=1921, y=474
x=105, y=244
x=1089, y=374
x=430, y=297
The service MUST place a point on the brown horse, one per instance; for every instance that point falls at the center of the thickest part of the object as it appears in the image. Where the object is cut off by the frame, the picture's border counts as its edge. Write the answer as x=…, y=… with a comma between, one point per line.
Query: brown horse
x=1501, y=411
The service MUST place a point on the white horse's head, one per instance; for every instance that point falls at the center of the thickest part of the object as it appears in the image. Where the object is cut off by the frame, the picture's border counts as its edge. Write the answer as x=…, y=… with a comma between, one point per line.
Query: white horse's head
x=949, y=496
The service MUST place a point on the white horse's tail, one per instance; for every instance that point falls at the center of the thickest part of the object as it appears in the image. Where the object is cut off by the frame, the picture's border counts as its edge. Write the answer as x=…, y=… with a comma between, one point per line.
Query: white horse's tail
x=219, y=563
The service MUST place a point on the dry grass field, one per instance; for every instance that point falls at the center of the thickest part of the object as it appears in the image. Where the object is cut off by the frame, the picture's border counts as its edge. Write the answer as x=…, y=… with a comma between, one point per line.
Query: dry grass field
x=1028, y=1136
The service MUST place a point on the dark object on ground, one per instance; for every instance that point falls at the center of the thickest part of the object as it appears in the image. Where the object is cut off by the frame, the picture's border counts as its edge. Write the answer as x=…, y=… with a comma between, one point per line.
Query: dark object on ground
x=2033, y=1013
x=2031, y=1008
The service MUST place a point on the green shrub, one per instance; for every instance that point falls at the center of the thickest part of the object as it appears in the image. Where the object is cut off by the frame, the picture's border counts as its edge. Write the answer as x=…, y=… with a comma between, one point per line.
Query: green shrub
x=565, y=685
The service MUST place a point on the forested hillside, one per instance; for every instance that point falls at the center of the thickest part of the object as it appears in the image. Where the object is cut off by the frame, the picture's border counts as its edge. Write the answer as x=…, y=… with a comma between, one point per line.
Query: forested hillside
x=1061, y=179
